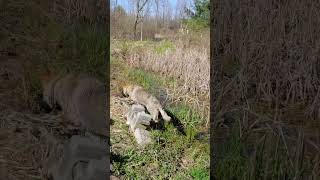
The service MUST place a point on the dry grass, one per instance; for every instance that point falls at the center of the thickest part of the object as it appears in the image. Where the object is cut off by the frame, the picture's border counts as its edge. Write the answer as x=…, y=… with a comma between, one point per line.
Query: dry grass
x=89, y=11
x=188, y=65
x=26, y=143
x=274, y=48
x=27, y=138
x=184, y=57
x=268, y=53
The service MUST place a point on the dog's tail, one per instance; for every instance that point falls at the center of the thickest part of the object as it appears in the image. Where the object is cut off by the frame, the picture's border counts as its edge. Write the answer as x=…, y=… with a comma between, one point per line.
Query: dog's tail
x=164, y=115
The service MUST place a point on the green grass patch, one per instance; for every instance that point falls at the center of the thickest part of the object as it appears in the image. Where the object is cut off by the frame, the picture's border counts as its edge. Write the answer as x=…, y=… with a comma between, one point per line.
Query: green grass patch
x=268, y=159
x=146, y=80
x=164, y=46
x=200, y=173
x=162, y=159
x=127, y=46
x=197, y=24
x=232, y=163
x=186, y=115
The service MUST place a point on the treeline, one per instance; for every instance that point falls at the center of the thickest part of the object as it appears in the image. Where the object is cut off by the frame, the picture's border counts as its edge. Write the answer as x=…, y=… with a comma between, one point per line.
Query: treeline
x=149, y=19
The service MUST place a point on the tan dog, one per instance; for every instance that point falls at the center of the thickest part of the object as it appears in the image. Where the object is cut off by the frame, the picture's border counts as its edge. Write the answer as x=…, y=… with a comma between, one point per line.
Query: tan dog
x=82, y=99
x=139, y=95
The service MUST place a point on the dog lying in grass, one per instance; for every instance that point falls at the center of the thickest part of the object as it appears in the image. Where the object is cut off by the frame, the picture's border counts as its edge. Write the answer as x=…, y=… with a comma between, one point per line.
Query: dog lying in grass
x=139, y=95
x=82, y=99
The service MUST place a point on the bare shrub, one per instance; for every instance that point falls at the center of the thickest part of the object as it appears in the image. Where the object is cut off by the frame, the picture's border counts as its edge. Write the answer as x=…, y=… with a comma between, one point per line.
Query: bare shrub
x=89, y=11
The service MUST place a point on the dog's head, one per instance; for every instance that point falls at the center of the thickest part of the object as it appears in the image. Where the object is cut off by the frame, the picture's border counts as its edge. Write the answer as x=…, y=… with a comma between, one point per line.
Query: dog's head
x=126, y=90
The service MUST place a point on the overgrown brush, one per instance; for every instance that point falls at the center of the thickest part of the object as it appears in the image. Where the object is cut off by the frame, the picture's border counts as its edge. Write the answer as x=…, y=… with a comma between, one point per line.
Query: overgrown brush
x=268, y=66
x=190, y=66
x=70, y=11
x=274, y=47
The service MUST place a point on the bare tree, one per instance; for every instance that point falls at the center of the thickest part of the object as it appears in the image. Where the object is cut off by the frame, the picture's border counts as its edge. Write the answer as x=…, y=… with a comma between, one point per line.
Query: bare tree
x=145, y=14
x=157, y=13
x=140, y=7
x=181, y=5
x=145, y=18
x=166, y=12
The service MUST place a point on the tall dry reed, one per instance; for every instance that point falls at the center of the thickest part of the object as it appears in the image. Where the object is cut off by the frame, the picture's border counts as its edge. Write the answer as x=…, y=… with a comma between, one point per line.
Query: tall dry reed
x=267, y=64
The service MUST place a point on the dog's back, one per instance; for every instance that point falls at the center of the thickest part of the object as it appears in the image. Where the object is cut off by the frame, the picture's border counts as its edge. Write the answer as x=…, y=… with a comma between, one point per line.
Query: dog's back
x=138, y=94
x=143, y=96
x=90, y=98
x=82, y=99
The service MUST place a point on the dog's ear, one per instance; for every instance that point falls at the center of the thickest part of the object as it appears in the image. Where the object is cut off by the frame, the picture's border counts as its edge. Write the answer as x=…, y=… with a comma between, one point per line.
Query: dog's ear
x=124, y=91
x=45, y=76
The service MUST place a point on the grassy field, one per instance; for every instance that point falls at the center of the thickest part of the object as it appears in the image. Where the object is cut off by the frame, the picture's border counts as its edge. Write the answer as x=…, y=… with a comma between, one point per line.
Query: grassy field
x=179, y=152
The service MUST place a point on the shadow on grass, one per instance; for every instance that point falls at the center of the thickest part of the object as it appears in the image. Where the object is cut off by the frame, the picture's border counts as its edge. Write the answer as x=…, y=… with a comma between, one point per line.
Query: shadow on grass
x=116, y=158
x=111, y=122
x=174, y=120
x=176, y=123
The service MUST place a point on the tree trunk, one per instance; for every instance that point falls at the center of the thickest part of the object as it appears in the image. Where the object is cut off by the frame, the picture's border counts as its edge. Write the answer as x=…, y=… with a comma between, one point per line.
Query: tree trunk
x=135, y=27
x=141, y=31
x=139, y=16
